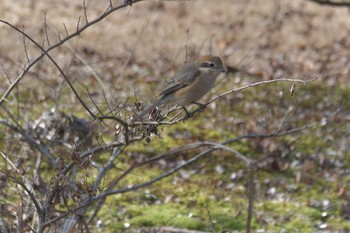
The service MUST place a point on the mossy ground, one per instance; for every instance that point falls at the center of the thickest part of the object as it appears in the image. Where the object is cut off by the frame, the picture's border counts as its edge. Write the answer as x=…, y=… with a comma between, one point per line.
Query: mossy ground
x=301, y=183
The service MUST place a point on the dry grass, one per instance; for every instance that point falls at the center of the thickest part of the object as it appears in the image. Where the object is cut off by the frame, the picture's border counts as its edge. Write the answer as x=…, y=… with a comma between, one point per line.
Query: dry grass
x=260, y=36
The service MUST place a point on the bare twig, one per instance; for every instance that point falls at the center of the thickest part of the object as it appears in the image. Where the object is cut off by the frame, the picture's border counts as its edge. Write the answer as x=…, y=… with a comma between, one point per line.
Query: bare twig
x=5, y=73
x=120, y=121
x=85, y=12
x=199, y=109
x=65, y=29
x=85, y=63
x=251, y=190
x=110, y=164
x=78, y=23
x=29, y=192
x=55, y=63
x=68, y=37
x=186, y=45
x=26, y=185
x=262, y=83
x=25, y=46
x=211, y=221
x=31, y=141
x=214, y=146
x=331, y=3
x=131, y=55
x=45, y=30
x=93, y=101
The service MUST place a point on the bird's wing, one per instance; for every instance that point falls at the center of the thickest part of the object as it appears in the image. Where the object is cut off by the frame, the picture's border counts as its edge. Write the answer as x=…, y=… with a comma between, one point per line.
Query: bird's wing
x=183, y=78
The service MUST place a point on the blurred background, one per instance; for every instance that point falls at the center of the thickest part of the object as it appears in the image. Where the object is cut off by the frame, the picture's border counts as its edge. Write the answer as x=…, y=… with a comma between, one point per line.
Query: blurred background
x=301, y=183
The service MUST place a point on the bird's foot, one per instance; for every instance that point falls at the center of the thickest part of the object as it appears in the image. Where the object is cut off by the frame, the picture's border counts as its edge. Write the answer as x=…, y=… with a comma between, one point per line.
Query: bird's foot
x=200, y=108
x=188, y=114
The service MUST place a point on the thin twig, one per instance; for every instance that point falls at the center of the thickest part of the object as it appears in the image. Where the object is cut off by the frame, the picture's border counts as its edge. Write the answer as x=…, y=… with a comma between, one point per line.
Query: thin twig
x=186, y=45
x=331, y=3
x=85, y=63
x=45, y=30
x=211, y=221
x=200, y=109
x=131, y=55
x=251, y=190
x=124, y=123
x=55, y=63
x=110, y=164
x=262, y=83
x=65, y=29
x=68, y=37
x=78, y=23
x=26, y=186
x=93, y=101
x=85, y=12
x=5, y=73
x=25, y=46
x=31, y=141
x=171, y=171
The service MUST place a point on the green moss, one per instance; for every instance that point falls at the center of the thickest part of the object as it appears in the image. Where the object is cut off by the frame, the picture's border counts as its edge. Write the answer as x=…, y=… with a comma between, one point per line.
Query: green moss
x=308, y=144
x=290, y=216
x=166, y=215
x=227, y=223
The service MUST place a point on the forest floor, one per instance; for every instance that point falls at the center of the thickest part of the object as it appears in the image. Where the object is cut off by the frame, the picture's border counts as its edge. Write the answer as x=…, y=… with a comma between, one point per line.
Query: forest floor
x=301, y=185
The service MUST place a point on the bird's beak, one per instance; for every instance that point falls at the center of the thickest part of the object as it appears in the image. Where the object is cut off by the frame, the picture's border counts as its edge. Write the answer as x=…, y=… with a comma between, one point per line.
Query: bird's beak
x=223, y=69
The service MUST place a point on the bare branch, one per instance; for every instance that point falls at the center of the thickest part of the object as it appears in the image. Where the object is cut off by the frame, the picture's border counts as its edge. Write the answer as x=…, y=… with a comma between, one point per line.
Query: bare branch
x=29, y=192
x=68, y=37
x=26, y=186
x=101, y=174
x=261, y=83
x=246, y=160
x=25, y=46
x=58, y=67
x=331, y=3
x=31, y=141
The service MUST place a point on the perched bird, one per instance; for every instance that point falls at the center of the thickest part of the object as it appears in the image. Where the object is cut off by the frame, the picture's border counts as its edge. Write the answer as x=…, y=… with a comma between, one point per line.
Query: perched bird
x=190, y=83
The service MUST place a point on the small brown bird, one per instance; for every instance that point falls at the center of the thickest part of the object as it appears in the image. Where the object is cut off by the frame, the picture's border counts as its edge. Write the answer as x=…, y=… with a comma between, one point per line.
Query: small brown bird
x=190, y=83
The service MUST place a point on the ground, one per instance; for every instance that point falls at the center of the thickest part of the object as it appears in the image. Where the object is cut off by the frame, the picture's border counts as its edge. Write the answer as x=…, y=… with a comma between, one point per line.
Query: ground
x=301, y=185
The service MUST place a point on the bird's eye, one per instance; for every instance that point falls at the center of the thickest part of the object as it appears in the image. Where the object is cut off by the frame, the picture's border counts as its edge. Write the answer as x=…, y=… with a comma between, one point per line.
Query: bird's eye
x=211, y=64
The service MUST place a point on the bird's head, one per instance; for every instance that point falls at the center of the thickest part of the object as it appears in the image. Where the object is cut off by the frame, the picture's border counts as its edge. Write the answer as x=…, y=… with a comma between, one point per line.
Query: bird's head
x=211, y=63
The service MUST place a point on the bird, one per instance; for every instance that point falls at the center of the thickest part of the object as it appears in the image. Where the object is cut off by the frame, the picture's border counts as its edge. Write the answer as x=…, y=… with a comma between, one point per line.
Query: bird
x=189, y=84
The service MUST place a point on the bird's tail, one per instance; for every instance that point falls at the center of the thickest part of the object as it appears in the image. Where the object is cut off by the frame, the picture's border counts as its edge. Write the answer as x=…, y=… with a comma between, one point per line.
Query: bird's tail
x=156, y=103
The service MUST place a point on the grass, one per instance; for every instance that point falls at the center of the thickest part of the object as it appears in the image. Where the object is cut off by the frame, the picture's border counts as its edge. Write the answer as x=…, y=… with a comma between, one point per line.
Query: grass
x=301, y=172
